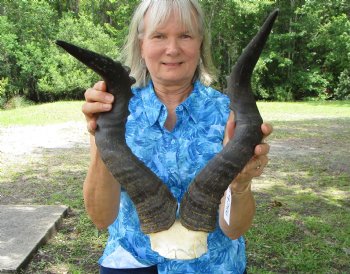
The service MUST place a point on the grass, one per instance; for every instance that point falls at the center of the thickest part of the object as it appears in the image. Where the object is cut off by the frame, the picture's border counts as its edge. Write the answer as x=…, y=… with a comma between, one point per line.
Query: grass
x=302, y=223
x=44, y=114
x=296, y=111
x=64, y=111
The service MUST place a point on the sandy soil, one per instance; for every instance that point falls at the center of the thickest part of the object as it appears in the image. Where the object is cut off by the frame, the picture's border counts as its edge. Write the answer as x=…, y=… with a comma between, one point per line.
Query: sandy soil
x=20, y=142
x=17, y=143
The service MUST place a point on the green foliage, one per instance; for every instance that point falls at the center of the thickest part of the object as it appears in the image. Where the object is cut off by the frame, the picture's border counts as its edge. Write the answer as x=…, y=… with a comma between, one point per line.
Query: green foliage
x=120, y=16
x=312, y=84
x=33, y=27
x=8, y=44
x=306, y=57
x=66, y=77
x=30, y=60
x=113, y=15
x=232, y=24
x=307, y=51
x=3, y=86
x=332, y=45
x=343, y=89
x=17, y=102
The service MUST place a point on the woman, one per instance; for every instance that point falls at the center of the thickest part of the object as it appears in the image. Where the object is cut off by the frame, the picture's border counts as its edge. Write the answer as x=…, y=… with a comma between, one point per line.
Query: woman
x=176, y=125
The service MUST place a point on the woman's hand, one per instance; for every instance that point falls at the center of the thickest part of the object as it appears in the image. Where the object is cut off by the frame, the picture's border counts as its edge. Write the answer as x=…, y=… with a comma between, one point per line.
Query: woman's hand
x=101, y=190
x=97, y=100
x=256, y=164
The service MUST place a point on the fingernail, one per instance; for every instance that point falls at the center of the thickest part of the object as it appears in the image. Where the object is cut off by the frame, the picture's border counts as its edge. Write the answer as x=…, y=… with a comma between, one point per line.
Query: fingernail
x=258, y=150
x=109, y=97
x=107, y=106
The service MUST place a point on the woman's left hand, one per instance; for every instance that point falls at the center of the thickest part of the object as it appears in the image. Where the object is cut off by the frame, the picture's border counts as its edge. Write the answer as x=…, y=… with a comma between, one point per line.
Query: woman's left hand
x=256, y=164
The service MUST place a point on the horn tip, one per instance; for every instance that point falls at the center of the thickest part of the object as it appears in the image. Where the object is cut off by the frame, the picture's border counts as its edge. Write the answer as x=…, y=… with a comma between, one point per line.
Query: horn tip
x=62, y=44
x=275, y=12
x=59, y=42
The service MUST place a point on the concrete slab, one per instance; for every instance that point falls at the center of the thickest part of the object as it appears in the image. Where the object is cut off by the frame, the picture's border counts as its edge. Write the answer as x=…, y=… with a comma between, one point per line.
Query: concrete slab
x=23, y=229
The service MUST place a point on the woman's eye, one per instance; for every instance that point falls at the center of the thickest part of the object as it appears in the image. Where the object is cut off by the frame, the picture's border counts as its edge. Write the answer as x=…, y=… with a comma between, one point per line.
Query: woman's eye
x=158, y=36
x=186, y=36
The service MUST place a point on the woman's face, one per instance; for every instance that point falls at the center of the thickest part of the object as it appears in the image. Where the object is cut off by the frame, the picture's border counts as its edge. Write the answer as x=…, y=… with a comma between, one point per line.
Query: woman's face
x=171, y=52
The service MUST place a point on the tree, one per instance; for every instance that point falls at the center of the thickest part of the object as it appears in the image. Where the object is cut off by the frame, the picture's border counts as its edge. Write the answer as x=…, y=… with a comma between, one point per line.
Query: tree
x=34, y=28
x=308, y=50
x=306, y=56
x=342, y=91
x=232, y=24
x=113, y=15
x=8, y=44
x=66, y=77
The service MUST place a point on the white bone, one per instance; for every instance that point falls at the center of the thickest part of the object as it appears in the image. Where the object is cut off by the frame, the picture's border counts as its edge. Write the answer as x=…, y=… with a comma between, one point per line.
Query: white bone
x=179, y=242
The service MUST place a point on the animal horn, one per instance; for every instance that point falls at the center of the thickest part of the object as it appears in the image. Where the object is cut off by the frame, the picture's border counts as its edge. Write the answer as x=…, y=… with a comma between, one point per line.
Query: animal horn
x=199, y=207
x=155, y=205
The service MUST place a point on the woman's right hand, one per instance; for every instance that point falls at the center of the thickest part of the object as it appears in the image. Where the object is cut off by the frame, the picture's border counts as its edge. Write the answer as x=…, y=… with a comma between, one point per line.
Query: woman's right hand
x=97, y=100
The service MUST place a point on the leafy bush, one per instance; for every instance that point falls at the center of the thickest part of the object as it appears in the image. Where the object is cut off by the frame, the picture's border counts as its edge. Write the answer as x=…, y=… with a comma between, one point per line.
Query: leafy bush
x=342, y=92
x=3, y=85
x=306, y=55
x=32, y=24
x=17, y=102
x=65, y=76
x=310, y=84
x=8, y=45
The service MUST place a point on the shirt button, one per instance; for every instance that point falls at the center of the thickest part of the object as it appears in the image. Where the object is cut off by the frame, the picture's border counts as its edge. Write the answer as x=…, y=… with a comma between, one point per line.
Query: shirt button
x=180, y=108
x=172, y=141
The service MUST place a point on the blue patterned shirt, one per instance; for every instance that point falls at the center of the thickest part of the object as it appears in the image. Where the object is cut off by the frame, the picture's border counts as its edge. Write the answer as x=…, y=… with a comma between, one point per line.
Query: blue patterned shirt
x=176, y=157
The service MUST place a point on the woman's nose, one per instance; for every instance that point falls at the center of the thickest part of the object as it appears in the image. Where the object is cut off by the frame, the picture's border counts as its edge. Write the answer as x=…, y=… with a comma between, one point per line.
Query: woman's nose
x=173, y=47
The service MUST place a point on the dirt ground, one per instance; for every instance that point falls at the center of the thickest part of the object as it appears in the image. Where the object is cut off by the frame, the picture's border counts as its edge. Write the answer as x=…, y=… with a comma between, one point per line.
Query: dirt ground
x=321, y=145
x=20, y=142
x=325, y=144
x=56, y=155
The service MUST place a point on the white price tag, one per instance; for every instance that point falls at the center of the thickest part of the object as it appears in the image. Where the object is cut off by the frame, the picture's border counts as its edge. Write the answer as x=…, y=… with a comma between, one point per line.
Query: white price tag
x=227, y=208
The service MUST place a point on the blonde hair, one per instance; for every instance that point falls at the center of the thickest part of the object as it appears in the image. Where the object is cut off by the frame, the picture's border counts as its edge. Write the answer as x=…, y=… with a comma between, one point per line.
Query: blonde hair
x=159, y=11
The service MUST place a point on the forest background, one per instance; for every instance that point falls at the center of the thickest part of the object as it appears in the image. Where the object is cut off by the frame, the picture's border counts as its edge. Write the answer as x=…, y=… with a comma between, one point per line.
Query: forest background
x=306, y=58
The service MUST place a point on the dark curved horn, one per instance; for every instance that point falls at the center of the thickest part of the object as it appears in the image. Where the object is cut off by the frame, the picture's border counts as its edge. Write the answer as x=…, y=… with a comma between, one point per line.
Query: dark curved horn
x=199, y=207
x=156, y=207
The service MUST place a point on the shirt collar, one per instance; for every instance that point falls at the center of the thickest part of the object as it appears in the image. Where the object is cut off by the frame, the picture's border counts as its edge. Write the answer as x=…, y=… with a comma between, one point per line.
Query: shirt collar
x=191, y=103
x=151, y=103
x=155, y=109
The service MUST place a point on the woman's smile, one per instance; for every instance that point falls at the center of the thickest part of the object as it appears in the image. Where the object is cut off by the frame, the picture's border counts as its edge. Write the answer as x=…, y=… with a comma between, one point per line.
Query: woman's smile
x=172, y=64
